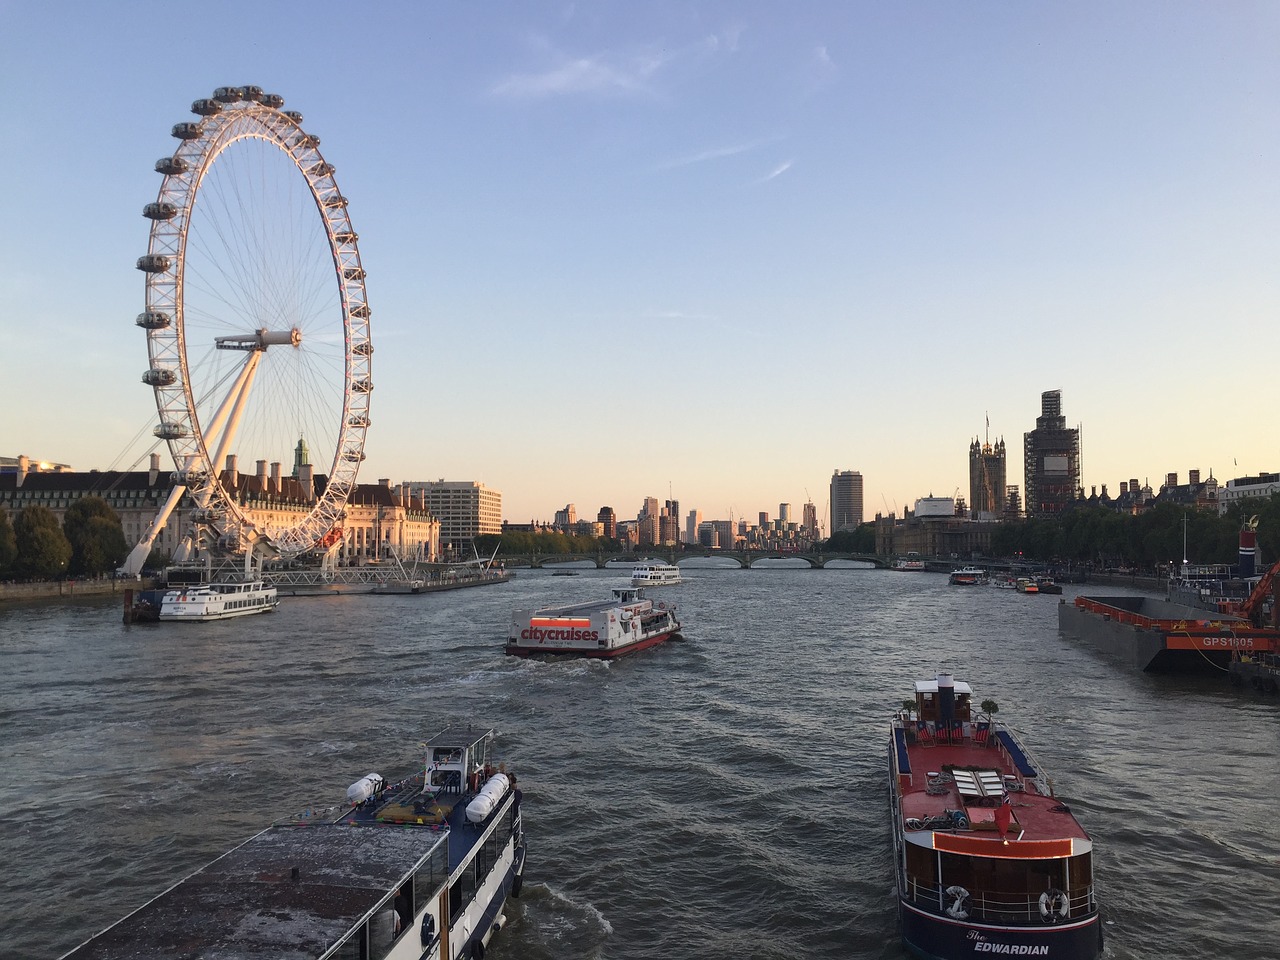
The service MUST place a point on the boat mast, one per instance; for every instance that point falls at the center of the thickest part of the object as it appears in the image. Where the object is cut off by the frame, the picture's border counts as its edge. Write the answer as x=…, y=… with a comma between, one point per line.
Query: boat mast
x=1184, y=543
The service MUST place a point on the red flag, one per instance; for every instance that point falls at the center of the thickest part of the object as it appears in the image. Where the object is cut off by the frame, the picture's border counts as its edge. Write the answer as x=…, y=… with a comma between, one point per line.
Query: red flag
x=1002, y=816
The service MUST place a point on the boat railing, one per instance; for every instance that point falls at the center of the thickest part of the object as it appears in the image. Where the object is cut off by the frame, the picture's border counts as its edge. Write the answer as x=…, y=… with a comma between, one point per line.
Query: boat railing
x=1028, y=764
x=999, y=906
x=1129, y=618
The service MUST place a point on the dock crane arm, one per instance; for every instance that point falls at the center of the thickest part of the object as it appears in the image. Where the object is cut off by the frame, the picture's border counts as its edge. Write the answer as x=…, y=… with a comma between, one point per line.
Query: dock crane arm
x=1262, y=589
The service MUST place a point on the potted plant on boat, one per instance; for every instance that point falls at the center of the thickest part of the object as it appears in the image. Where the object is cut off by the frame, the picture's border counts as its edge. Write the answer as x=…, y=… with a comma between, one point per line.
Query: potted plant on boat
x=989, y=708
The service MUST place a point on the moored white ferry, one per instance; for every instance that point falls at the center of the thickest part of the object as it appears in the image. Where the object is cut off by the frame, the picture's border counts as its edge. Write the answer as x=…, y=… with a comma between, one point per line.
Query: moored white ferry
x=988, y=860
x=415, y=870
x=600, y=629
x=218, y=601
x=655, y=573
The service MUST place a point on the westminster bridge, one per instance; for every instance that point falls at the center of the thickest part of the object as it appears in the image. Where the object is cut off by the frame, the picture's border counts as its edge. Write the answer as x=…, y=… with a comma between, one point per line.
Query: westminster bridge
x=744, y=558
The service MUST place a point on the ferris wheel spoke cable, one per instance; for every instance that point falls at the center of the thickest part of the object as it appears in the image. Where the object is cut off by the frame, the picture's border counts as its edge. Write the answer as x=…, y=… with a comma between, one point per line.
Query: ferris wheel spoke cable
x=223, y=267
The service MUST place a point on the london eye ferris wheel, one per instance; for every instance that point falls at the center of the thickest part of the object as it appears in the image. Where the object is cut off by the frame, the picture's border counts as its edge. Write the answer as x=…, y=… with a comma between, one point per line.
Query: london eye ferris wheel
x=257, y=321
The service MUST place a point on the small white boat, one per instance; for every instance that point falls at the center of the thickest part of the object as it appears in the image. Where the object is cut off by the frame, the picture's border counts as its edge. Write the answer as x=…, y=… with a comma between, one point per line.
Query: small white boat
x=199, y=603
x=655, y=573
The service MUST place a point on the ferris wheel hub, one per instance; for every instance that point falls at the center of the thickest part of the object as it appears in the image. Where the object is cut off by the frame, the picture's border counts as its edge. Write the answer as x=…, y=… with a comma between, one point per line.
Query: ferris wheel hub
x=260, y=339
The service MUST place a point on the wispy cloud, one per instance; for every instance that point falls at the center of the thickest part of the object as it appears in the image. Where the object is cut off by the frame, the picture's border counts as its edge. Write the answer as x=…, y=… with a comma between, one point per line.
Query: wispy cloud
x=714, y=153
x=778, y=171
x=633, y=72
x=583, y=75
x=820, y=71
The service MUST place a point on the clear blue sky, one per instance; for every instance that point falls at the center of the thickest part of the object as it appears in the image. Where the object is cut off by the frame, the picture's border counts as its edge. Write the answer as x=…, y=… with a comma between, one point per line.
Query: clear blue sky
x=726, y=247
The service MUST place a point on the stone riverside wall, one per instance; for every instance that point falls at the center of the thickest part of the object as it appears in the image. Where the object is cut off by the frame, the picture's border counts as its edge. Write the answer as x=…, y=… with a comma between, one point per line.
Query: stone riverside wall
x=68, y=589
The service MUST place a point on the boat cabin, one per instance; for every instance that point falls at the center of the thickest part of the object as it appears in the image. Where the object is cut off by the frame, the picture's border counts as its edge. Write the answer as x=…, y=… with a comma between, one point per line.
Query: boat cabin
x=457, y=761
x=931, y=694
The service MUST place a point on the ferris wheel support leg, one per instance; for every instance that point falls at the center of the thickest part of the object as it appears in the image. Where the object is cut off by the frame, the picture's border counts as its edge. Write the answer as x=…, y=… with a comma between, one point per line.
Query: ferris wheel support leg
x=137, y=558
x=232, y=410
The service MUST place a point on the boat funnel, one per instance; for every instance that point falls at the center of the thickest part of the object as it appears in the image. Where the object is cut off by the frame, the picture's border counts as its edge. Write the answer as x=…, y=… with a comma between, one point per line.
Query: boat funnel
x=946, y=697
x=1248, y=552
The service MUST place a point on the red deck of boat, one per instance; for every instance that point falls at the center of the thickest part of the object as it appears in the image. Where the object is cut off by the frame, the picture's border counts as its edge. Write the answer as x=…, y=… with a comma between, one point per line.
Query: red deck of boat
x=1035, y=816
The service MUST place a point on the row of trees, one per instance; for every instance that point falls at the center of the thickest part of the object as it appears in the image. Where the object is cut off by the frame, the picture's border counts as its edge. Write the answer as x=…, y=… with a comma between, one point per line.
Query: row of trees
x=525, y=544
x=88, y=543
x=1146, y=541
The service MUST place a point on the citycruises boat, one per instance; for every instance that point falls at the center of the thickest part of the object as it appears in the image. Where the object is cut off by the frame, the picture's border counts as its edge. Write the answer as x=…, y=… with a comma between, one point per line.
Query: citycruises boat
x=988, y=860
x=600, y=629
x=414, y=870
x=1027, y=585
x=968, y=576
x=218, y=601
x=909, y=564
x=655, y=573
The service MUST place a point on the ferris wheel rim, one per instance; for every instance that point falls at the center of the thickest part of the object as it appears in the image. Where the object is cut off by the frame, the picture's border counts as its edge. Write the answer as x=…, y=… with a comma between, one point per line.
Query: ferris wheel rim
x=245, y=116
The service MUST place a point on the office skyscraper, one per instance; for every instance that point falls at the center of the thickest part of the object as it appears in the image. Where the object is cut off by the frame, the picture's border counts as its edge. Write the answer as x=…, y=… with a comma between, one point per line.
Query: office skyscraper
x=846, y=500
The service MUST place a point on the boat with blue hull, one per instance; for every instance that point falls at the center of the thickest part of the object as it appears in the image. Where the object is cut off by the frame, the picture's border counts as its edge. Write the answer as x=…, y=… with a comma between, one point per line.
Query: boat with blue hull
x=988, y=861
x=417, y=869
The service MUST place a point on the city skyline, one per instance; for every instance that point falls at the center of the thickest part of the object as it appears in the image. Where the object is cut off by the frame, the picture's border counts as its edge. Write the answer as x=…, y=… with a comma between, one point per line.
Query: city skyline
x=852, y=235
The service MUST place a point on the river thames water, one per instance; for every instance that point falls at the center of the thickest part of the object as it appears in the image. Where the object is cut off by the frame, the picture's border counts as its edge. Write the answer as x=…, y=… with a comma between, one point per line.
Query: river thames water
x=723, y=796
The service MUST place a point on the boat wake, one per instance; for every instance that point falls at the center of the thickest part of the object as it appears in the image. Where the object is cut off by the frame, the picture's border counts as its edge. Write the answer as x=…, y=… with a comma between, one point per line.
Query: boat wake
x=550, y=923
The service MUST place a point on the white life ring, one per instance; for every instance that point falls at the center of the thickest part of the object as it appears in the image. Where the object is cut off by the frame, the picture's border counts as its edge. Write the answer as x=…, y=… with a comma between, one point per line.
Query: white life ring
x=957, y=909
x=1054, y=905
x=662, y=606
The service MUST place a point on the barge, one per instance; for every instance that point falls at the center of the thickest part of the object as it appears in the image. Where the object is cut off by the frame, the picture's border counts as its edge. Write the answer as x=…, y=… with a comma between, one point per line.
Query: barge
x=415, y=870
x=1159, y=636
x=987, y=859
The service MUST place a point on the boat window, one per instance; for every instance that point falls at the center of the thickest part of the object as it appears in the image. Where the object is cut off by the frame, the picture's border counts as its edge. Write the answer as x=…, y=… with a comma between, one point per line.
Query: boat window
x=491, y=853
x=355, y=947
x=463, y=890
x=1080, y=871
x=1003, y=887
x=922, y=866
x=433, y=873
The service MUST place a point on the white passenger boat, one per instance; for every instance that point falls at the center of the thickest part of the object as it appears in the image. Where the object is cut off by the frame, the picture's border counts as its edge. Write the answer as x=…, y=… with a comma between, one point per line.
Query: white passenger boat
x=655, y=573
x=968, y=576
x=419, y=869
x=600, y=629
x=218, y=601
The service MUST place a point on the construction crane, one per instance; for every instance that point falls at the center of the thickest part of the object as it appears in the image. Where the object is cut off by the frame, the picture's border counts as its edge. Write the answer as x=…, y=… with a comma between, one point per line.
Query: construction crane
x=1252, y=606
